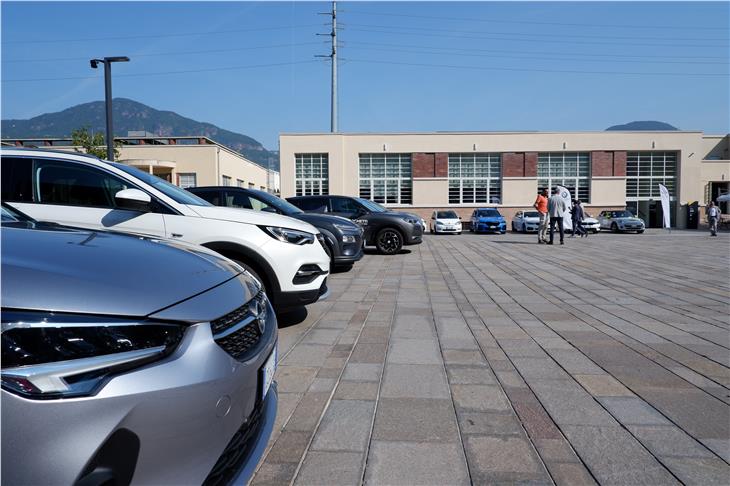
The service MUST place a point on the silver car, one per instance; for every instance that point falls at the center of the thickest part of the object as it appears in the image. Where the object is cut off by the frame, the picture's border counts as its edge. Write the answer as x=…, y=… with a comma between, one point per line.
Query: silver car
x=130, y=360
x=620, y=221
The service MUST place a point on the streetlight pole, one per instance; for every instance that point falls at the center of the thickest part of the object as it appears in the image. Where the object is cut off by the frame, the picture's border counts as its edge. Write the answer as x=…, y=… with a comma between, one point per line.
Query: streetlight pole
x=107, y=61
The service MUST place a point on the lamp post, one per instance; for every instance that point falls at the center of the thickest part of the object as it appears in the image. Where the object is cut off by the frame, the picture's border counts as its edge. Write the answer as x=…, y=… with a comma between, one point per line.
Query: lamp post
x=107, y=62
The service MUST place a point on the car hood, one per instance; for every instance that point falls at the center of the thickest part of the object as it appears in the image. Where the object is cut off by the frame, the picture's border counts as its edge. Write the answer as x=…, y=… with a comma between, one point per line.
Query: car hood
x=448, y=220
x=249, y=216
x=590, y=220
x=400, y=214
x=531, y=219
x=490, y=219
x=628, y=220
x=316, y=219
x=54, y=268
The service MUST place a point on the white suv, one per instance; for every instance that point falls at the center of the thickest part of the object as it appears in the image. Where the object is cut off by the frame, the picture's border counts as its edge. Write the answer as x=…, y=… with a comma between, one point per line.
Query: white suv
x=285, y=254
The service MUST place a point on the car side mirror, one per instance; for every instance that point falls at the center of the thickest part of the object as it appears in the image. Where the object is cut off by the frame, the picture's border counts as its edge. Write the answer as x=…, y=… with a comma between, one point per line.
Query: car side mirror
x=269, y=209
x=133, y=200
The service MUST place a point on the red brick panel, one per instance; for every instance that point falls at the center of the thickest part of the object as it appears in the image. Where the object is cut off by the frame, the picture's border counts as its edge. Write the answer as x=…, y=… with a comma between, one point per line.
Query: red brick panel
x=619, y=164
x=601, y=164
x=513, y=164
x=530, y=164
x=423, y=165
x=441, y=168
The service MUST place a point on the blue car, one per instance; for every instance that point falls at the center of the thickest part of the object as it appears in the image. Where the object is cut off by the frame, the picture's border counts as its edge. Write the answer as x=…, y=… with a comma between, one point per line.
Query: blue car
x=488, y=220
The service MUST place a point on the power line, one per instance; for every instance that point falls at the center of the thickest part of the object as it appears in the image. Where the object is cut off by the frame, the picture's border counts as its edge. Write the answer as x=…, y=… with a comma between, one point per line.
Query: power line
x=455, y=52
x=558, y=71
x=535, y=22
x=162, y=73
x=430, y=33
x=154, y=36
x=177, y=53
x=549, y=53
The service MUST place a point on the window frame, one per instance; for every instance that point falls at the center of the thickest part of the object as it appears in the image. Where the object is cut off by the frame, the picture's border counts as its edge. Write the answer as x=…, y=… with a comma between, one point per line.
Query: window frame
x=307, y=164
x=650, y=178
x=467, y=173
x=580, y=184
x=395, y=177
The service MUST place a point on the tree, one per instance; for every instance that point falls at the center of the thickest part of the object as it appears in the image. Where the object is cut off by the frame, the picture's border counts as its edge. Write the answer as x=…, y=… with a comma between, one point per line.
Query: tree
x=92, y=144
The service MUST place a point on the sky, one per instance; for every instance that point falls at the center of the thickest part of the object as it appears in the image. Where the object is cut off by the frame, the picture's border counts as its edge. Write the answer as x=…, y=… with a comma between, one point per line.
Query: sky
x=251, y=67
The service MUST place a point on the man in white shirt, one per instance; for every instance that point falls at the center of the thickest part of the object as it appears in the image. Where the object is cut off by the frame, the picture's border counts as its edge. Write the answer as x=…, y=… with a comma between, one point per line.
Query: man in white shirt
x=556, y=209
x=713, y=216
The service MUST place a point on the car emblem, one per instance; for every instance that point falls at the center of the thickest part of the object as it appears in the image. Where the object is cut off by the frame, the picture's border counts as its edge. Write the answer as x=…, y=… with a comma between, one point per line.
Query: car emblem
x=256, y=309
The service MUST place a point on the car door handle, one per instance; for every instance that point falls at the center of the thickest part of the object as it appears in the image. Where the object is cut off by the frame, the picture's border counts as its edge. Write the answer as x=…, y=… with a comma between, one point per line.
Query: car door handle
x=176, y=235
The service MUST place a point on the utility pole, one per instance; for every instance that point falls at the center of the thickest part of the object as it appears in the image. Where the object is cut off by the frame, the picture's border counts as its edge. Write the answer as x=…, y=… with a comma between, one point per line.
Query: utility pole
x=333, y=60
x=107, y=62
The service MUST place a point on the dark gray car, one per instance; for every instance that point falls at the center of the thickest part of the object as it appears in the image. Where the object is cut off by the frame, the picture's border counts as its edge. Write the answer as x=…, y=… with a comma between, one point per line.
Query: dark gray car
x=129, y=359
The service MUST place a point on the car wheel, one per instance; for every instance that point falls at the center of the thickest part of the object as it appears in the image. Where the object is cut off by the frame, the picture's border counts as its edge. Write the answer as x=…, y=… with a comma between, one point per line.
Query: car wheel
x=389, y=241
x=614, y=228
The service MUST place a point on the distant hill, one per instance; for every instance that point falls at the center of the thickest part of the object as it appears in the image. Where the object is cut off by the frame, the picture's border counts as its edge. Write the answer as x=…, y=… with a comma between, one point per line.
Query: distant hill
x=129, y=116
x=642, y=125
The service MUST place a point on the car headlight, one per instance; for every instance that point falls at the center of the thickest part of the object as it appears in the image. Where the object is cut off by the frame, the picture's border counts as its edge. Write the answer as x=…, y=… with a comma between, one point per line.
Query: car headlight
x=287, y=235
x=411, y=220
x=48, y=355
x=349, y=238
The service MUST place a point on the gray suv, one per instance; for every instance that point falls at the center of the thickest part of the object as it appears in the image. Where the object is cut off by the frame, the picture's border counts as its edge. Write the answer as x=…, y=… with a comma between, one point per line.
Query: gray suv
x=130, y=360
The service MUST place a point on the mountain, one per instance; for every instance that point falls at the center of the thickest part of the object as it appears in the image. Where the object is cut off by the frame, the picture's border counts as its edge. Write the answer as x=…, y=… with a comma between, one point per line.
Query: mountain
x=643, y=125
x=129, y=116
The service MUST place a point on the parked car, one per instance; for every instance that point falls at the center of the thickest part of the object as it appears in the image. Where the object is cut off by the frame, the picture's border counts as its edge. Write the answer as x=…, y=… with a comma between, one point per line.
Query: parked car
x=620, y=221
x=80, y=190
x=591, y=224
x=445, y=222
x=127, y=358
x=488, y=220
x=342, y=237
x=387, y=230
x=526, y=221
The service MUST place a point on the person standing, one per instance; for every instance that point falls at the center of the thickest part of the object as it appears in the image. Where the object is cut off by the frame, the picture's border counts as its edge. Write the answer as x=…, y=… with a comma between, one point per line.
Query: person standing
x=713, y=217
x=577, y=216
x=541, y=205
x=556, y=209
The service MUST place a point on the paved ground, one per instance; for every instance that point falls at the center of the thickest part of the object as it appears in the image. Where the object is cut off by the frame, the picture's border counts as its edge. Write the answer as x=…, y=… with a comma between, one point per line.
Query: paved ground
x=479, y=359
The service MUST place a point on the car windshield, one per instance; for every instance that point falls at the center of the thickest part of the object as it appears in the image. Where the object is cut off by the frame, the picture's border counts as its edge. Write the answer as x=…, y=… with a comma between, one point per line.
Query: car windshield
x=621, y=214
x=371, y=206
x=488, y=213
x=532, y=214
x=12, y=215
x=446, y=215
x=283, y=206
x=175, y=193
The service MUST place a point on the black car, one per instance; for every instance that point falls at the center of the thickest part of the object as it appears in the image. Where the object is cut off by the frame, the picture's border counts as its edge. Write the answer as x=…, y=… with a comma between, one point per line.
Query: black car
x=387, y=230
x=343, y=238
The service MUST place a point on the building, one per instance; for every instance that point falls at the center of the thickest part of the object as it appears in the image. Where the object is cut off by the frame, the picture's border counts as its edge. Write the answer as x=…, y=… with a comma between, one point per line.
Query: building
x=421, y=172
x=185, y=161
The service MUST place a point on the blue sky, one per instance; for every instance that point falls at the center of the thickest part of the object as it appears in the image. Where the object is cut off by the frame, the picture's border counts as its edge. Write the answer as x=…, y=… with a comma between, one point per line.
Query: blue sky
x=406, y=66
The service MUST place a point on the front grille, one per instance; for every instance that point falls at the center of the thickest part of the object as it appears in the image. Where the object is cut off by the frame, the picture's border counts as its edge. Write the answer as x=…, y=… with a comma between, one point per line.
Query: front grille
x=237, y=342
x=238, y=449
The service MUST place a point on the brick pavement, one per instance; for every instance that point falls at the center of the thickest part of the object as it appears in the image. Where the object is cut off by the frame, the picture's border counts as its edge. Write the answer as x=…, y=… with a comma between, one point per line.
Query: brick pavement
x=476, y=359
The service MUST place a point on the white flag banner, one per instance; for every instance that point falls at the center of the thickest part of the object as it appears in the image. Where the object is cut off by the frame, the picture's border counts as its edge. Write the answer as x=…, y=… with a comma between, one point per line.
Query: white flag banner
x=567, y=218
x=664, y=193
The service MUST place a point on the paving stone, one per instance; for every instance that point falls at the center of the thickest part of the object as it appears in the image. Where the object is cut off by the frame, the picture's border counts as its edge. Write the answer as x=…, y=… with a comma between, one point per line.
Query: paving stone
x=668, y=440
x=414, y=351
x=322, y=336
x=362, y=372
x=468, y=357
x=489, y=423
x=322, y=385
x=603, y=386
x=414, y=381
x=312, y=355
x=356, y=390
x=331, y=468
x=289, y=447
x=345, y=426
x=502, y=458
x=567, y=403
x=615, y=457
x=400, y=463
x=532, y=415
x=368, y=353
x=415, y=419
x=570, y=473
x=374, y=335
x=271, y=473
x=469, y=375
x=295, y=379
x=555, y=450
x=632, y=410
x=479, y=397
x=700, y=471
x=308, y=411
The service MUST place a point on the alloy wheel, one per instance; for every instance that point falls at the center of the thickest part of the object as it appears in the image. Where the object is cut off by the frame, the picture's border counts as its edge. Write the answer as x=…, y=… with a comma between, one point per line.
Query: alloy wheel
x=389, y=241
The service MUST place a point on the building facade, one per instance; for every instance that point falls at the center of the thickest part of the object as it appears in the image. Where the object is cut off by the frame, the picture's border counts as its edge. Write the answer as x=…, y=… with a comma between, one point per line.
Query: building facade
x=185, y=161
x=421, y=172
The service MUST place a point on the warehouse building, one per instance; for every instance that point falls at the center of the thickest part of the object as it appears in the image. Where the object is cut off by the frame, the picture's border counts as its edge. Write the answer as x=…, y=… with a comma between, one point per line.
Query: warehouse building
x=420, y=172
x=185, y=161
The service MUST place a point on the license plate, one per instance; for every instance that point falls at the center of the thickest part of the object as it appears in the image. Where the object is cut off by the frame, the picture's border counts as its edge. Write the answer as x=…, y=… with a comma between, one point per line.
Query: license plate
x=268, y=371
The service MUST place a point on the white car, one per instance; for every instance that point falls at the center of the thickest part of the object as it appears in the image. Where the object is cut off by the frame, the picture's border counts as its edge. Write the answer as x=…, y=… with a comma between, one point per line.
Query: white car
x=526, y=221
x=591, y=224
x=285, y=254
x=445, y=222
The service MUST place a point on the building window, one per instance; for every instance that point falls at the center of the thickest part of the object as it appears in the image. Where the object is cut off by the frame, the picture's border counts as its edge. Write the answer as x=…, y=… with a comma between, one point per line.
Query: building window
x=240, y=183
x=186, y=180
x=311, y=174
x=571, y=170
x=226, y=180
x=646, y=170
x=386, y=178
x=475, y=178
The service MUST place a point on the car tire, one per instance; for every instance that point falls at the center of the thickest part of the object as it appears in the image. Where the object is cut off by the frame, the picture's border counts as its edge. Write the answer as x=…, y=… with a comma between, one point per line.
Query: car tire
x=514, y=230
x=614, y=228
x=502, y=232
x=389, y=241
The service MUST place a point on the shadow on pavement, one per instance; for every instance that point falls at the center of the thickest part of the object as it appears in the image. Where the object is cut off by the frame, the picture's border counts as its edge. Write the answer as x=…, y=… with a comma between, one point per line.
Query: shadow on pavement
x=373, y=251
x=291, y=317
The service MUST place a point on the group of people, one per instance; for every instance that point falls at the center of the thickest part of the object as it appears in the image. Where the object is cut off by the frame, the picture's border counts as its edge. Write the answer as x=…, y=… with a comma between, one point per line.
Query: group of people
x=552, y=210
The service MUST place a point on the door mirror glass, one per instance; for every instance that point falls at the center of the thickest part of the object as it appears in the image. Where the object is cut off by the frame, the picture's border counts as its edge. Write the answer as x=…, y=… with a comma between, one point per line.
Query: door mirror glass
x=133, y=200
x=269, y=209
